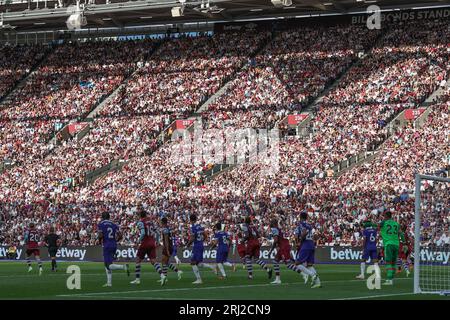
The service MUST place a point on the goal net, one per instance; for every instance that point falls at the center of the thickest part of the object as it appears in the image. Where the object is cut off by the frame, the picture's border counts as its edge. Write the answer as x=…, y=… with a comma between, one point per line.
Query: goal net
x=432, y=235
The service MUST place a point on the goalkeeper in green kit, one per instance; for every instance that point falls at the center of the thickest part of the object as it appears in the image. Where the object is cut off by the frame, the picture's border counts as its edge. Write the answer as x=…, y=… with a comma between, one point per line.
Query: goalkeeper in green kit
x=390, y=235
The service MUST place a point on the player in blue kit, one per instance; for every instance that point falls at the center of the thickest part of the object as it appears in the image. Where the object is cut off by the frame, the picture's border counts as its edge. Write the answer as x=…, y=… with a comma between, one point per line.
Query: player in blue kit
x=370, y=253
x=197, y=237
x=222, y=241
x=175, y=245
x=108, y=235
x=306, y=250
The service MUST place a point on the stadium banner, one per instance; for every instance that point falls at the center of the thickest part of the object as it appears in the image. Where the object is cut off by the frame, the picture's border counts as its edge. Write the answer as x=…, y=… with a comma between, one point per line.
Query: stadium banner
x=405, y=15
x=347, y=19
x=183, y=124
x=76, y=127
x=324, y=255
x=413, y=114
x=253, y=26
x=295, y=119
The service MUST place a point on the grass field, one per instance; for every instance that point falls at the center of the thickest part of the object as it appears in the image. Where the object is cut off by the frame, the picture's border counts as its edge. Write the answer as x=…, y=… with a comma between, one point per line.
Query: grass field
x=338, y=282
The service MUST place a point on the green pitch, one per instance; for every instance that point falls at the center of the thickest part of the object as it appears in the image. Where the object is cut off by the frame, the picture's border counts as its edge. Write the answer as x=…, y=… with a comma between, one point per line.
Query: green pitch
x=338, y=282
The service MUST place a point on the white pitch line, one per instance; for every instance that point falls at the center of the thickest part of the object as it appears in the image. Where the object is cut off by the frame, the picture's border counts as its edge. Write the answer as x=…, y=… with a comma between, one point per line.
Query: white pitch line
x=200, y=288
x=376, y=296
x=173, y=289
x=63, y=273
x=150, y=298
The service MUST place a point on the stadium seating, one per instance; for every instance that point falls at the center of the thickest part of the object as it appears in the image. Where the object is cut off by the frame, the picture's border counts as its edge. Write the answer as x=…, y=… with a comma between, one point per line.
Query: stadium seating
x=266, y=79
x=71, y=81
x=15, y=63
x=294, y=68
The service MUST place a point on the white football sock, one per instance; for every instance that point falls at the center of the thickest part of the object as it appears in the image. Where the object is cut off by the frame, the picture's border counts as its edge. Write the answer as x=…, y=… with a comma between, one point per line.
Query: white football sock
x=207, y=265
x=108, y=276
x=116, y=267
x=314, y=272
x=363, y=268
x=305, y=270
x=222, y=271
x=196, y=272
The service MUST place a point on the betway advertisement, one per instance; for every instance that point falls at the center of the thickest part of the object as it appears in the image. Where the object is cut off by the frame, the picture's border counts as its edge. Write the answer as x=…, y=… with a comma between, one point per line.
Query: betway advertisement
x=325, y=255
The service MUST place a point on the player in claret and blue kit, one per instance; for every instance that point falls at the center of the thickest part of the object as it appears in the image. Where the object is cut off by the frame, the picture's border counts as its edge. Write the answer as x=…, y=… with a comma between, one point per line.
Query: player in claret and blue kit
x=306, y=250
x=197, y=237
x=283, y=249
x=32, y=239
x=404, y=250
x=167, y=249
x=252, y=248
x=108, y=235
x=222, y=241
x=148, y=235
x=370, y=252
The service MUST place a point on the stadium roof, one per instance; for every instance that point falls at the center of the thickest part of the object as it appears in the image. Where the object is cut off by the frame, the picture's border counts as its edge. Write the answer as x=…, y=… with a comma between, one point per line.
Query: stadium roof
x=36, y=15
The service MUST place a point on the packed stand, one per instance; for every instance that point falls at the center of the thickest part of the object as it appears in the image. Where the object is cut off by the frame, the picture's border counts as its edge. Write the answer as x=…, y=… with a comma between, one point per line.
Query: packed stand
x=294, y=69
x=70, y=82
x=381, y=86
x=16, y=62
x=121, y=137
x=183, y=73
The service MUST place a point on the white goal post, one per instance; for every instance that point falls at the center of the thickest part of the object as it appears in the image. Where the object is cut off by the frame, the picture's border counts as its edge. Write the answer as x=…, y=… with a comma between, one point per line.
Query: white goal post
x=431, y=257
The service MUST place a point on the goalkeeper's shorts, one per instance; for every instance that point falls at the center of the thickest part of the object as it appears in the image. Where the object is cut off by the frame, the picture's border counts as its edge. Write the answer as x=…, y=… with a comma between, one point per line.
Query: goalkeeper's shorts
x=391, y=254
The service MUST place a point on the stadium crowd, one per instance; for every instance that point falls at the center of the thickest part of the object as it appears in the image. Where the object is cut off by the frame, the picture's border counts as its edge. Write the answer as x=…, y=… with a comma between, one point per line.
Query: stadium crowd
x=404, y=67
x=287, y=75
x=66, y=86
x=183, y=73
x=15, y=63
